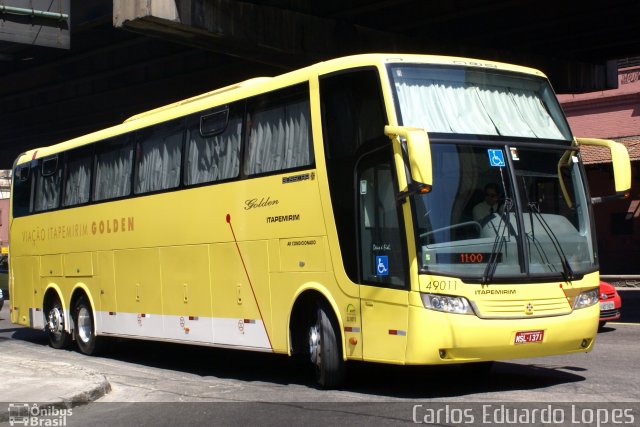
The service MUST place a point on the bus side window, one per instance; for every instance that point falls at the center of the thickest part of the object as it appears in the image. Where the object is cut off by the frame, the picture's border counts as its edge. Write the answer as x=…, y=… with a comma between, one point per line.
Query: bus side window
x=48, y=182
x=22, y=190
x=77, y=180
x=279, y=131
x=382, y=259
x=113, y=171
x=352, y=117
x=159, y=157
x=213, y=145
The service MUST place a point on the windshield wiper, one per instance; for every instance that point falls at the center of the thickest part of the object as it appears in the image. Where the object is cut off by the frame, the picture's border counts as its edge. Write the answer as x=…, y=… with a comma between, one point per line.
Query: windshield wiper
x=566, y=267
x=496, y=250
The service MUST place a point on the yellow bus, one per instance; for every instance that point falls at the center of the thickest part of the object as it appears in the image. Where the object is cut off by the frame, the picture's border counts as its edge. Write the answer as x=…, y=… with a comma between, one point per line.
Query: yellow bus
x=329, y=212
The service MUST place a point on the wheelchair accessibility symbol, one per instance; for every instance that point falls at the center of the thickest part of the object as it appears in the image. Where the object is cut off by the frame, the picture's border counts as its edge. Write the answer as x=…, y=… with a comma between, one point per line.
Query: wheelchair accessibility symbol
x=382, y=265
x=496, y=157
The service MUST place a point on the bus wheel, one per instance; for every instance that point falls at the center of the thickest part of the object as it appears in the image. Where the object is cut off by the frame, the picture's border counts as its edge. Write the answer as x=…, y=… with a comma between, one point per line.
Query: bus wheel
x=325, y=350
x=58, y=337
x=84, y=331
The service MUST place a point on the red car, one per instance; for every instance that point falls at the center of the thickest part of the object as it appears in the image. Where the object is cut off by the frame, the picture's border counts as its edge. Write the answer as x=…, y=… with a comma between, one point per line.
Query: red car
x=610, y=303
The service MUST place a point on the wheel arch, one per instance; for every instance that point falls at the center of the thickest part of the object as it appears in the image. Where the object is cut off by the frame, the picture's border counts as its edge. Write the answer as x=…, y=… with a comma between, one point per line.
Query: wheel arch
x=80, y=289
x=302, y=315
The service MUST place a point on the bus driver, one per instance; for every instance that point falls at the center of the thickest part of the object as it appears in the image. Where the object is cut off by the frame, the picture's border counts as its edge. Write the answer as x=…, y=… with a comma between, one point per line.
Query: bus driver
x=490, y=204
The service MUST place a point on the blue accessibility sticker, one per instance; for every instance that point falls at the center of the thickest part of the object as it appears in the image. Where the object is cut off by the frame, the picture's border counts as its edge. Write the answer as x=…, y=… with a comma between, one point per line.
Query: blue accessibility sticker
x=382, y=265
x=496, y=157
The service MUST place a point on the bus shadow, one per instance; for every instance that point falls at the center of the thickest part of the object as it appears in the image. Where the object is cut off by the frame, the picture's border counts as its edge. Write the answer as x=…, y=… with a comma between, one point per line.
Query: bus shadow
x=27, y=334
x=391, y=381
x=454, y=381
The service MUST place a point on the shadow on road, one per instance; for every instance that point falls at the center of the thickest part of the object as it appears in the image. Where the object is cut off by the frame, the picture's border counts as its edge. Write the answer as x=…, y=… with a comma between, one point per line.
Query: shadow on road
x=366, y=378
x=630, y=305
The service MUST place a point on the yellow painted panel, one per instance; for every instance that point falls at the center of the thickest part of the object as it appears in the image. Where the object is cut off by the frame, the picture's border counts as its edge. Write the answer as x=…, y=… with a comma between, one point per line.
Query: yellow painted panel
x=106, y=280
x=78, y=264
x=233, y=296
x=137, y=274
x=24, y=269
x=51, y=266
x=303, y=254
x=186, y=287
x=384, y=323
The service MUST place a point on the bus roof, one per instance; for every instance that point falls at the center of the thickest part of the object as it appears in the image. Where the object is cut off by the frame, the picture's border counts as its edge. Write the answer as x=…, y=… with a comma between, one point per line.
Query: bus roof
x=258, y=85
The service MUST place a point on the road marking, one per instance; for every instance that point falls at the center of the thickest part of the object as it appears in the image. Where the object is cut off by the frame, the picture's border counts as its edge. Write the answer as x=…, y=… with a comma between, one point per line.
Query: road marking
x=623, y=323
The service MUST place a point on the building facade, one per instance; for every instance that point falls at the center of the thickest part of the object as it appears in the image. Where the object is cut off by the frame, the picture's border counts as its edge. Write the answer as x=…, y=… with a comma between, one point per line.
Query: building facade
x=612, y=114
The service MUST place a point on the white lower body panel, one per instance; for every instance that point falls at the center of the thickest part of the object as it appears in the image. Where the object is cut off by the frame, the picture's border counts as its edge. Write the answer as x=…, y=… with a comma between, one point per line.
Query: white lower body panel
x=225, y=332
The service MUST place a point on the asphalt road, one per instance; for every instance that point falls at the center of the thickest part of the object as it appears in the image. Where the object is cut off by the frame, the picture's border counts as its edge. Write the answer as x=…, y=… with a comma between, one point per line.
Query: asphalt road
x=166, y=384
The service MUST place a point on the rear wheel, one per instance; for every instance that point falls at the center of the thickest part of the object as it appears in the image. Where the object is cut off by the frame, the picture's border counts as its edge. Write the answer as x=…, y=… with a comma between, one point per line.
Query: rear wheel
x=58, y=337
x=84, y=332
x=325, y=350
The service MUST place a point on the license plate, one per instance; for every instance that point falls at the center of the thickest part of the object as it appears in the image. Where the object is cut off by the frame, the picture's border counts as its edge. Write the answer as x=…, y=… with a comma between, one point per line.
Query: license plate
x=607, y=305
x=525, y=337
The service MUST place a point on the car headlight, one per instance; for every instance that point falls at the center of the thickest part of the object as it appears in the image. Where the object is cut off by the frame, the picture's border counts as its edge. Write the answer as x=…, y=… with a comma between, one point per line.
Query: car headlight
x=1, y=295
x=587, y=299
x=446, y=303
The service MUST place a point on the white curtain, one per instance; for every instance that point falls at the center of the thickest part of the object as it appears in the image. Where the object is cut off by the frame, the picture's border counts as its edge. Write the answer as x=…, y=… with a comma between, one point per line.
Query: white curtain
x=535, y=114
x=213, y=158
x=113, y=174
x=47, y=192
x=279, y=138
x=159, y=163
x=455, y=107
x=76, y=188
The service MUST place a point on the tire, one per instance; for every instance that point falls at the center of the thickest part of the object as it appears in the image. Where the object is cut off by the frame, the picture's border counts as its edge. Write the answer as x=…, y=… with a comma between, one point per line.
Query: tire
x=84, y=332
x=55, y=326
x=601, y=325
x=325, y=350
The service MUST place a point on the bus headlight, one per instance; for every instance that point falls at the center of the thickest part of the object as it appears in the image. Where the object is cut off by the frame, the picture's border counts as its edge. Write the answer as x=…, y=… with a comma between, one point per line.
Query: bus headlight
x=587, y=299
x=446, y=303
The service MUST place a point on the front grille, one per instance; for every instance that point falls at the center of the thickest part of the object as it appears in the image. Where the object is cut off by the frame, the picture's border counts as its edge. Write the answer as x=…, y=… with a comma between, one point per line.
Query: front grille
x=493, y=308
x=609, y=313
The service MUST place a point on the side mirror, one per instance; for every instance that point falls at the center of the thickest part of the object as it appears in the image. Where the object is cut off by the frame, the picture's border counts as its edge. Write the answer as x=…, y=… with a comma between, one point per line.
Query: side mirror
x=621, y=166
x=419, y=155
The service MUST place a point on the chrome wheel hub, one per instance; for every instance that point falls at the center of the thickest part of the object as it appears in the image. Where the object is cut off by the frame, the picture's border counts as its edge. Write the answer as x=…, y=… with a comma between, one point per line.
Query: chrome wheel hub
x=84, y=324
x=55, y=321
x=314, y=344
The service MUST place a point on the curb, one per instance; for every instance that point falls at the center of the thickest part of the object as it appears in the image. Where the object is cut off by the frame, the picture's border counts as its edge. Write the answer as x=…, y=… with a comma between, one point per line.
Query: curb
x=94, y=386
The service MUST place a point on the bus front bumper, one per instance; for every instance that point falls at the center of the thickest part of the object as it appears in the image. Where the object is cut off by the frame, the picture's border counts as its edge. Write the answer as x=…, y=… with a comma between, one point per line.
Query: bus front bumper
x=441, y=338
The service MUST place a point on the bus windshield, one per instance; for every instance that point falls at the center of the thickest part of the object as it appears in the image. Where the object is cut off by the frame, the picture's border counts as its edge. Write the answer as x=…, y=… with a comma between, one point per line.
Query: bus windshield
x=501, y=207
x=480, y=102
x=489, y=221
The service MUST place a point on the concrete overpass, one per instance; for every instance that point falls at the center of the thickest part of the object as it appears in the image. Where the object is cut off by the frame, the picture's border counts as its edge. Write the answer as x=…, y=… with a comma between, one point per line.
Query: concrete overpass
x=126, y=56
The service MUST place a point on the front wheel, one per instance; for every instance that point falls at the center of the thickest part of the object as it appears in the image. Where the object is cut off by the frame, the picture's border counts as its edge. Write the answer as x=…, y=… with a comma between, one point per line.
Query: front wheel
x=84, y=332
x=55, y=327
x=325, y=350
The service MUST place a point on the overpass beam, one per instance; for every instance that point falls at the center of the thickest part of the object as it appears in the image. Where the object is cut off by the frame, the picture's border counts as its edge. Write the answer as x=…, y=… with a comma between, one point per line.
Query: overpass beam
x=255, y=32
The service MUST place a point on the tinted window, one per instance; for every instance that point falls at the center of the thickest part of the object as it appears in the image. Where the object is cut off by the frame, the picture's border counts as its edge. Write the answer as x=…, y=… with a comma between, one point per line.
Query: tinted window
x=159, y=157
x=47, y=195
x=113, y=171
x=77, y=183
x=214, y=156
x=22, y=190
x=279, y=131
x=353, y=117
